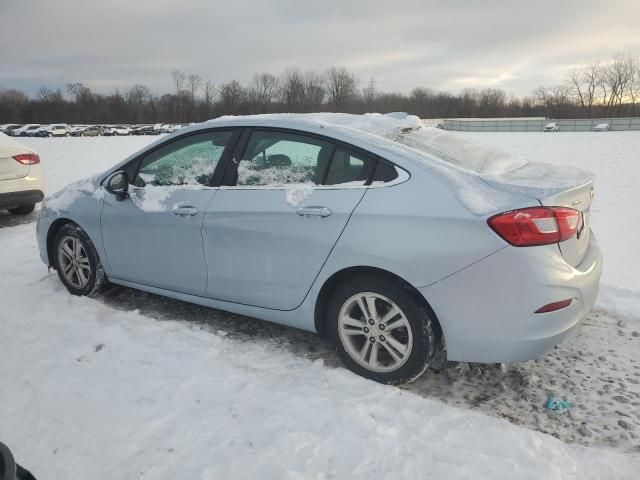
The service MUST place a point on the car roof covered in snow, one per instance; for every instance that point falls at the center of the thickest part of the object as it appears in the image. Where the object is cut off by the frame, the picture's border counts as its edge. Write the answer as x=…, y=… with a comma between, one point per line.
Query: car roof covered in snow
x=396, y=133
x=474, y=171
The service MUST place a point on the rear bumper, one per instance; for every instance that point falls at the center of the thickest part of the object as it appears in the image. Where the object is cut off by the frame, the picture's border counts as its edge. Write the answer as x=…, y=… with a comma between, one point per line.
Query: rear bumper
x=486, y=310
x=16, y=199
x=22, y=191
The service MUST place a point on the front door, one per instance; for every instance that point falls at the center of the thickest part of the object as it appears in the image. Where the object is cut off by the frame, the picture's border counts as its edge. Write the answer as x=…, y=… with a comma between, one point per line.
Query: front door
x=154, y=236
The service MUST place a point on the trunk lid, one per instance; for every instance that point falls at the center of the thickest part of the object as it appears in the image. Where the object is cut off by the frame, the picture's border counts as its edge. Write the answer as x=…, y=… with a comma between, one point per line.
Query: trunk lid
x=10, y=169
x=555, y=186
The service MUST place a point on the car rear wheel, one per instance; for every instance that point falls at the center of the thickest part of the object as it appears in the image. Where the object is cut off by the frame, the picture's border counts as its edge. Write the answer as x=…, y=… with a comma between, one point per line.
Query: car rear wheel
x=77, y=261
x=380, y=330
x=22, y=209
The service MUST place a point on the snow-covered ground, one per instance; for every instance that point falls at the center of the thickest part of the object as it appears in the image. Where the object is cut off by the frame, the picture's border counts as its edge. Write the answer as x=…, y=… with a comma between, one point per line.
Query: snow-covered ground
x=131, y=385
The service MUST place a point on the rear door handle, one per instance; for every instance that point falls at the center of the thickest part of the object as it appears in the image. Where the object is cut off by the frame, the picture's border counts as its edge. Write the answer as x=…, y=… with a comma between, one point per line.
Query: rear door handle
x=185, y=211
x=314, y=212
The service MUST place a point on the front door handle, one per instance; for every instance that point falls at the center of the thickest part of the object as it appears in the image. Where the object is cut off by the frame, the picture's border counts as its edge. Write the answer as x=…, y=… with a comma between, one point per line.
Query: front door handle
x=314, y=212
x=185, y=211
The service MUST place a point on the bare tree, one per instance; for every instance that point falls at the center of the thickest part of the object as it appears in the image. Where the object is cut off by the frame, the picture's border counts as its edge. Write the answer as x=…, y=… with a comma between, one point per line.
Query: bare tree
x=232, y=95
x=263, y=91
x=491, y=102
x=193, y=85
x=369, y=93
x=137, y=98
x=79, y=92
x=341, y=86
x=556, y=99
x=615, y=81
x=209, y=95
x=634, y=85
x=178, y=80
x=314, y=91
x=584, y=83
x=292, y=92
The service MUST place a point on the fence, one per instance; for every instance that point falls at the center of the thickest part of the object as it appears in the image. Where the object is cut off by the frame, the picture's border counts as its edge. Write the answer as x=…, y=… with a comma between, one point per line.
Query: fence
x=536, y=124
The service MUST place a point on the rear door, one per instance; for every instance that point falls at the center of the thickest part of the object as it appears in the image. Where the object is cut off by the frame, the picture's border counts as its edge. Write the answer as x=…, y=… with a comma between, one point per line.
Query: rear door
x=268, y=233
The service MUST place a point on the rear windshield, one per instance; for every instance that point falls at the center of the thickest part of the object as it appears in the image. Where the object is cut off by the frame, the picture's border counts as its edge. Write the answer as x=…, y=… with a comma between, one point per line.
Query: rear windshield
x=459, y=151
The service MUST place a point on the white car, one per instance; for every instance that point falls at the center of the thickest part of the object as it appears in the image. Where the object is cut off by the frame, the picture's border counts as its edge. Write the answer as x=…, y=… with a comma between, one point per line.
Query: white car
x=120, y=130
x=21, y=181
x=25, y=130
x=552, y=127
x=602, y=127
x=58, y=130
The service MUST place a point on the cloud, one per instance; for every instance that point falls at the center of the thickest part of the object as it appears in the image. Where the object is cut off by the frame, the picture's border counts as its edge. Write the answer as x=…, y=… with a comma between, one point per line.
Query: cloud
x=442, y=45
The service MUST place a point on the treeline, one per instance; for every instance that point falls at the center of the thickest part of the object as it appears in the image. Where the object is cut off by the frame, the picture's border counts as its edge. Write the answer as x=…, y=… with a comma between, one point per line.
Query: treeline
x=608, y=89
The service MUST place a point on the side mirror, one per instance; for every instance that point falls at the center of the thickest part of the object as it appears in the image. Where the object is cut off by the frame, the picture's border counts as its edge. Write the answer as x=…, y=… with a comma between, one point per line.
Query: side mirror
x=118, y=184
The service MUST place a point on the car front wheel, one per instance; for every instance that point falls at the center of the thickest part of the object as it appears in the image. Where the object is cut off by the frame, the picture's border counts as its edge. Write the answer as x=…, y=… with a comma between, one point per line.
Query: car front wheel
x=77, y=261
x=380, y=330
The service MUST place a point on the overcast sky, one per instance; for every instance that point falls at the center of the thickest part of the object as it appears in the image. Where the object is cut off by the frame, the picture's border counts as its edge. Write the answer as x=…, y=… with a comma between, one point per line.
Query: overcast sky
x=445, y=44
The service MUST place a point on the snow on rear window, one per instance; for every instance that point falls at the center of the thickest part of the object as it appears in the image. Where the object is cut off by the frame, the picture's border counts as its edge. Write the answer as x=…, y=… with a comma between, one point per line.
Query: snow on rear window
x=464, y=153
x=250, y=174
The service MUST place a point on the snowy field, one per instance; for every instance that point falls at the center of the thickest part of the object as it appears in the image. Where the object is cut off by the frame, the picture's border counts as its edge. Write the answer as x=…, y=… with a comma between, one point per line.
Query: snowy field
x=132, y=385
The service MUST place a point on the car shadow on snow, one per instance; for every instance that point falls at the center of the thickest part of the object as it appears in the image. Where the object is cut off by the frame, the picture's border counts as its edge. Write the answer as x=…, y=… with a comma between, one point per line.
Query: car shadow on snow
x=9, y=220
x=597, y=371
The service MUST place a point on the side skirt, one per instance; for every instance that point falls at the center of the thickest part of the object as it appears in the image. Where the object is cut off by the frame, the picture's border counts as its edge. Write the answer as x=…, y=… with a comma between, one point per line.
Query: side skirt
x=301, y=317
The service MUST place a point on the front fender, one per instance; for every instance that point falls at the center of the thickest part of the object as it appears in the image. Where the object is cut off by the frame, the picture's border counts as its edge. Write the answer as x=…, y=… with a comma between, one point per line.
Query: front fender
x=84, y=210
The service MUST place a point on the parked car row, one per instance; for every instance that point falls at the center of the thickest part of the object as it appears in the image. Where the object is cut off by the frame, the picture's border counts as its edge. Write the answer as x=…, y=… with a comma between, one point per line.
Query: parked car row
x=65, y=130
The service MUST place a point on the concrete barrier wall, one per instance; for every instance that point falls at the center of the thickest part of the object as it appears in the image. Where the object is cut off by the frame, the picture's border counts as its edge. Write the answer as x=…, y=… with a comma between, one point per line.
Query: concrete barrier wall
x=537, y=124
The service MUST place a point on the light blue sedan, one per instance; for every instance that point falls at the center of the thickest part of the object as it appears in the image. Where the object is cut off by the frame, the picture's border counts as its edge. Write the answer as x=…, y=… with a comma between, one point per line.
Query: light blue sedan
x=392, y=239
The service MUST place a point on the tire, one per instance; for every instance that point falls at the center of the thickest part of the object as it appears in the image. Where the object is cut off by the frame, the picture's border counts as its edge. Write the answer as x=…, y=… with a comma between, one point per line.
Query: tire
x=50, y=135
x=22, y=209
x=412, y=327
x=87, y=277
x=67, y=134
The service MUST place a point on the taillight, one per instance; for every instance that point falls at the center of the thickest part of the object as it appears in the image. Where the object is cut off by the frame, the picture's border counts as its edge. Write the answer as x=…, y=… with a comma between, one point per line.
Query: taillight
x=27, y=158
x=527, y=227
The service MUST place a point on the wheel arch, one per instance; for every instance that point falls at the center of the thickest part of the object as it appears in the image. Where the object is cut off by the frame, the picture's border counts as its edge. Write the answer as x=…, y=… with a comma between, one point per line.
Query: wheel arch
x=331, y=283
x=51, y=235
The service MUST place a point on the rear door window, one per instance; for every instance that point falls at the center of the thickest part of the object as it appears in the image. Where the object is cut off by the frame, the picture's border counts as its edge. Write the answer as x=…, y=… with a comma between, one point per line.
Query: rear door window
x=274, y=158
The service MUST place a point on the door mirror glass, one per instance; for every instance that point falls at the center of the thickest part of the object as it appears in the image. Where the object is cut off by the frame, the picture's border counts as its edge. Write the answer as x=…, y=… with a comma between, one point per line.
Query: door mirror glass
x=118, y=184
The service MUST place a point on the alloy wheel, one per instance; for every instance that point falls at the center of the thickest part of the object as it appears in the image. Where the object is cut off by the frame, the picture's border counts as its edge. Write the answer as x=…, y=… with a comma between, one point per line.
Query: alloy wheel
x=73, y=262
x=375, y=332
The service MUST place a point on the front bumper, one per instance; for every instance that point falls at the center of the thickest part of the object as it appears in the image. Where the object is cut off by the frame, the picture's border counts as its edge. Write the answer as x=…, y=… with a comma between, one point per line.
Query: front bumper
x=486, y=310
